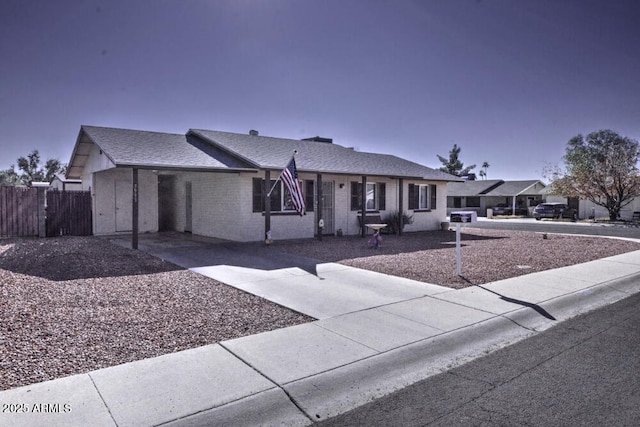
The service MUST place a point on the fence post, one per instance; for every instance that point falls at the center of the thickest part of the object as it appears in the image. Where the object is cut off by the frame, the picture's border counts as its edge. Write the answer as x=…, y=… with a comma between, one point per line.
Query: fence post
x=42, y=212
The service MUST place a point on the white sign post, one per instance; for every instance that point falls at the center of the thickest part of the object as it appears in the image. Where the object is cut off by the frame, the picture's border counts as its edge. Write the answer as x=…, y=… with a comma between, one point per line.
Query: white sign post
x=458, y=255
x=460, y=217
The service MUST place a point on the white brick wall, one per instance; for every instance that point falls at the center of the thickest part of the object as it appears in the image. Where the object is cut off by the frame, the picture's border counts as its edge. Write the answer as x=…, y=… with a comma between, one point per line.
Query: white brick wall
x=104, y=196
x=222, y=205
x=427, y=220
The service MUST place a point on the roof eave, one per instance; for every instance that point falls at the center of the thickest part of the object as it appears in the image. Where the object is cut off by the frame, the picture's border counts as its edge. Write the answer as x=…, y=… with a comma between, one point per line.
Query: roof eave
x=151, y=166
x=74, y=153
x=532, y=185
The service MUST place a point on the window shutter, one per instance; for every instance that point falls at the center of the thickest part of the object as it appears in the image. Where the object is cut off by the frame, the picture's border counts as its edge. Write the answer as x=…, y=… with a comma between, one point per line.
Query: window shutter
x=382, y=196
x=413, y=197
x=434, y=197
x=276, y=196
x=308, y=195
x=258, y=200
x=356, y=195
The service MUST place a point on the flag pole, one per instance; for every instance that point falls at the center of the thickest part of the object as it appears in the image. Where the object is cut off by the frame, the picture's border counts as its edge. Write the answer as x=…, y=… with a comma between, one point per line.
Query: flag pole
x=274, y=186
x=277, y=180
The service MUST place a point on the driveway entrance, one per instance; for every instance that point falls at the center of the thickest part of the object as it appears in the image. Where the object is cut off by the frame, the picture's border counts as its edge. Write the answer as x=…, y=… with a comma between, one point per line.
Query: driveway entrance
x=306, y=285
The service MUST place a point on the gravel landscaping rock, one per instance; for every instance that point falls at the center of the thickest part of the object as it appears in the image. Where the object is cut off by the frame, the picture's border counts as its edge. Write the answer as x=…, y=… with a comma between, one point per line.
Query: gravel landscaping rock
x=70, y=305
x=75, y=304
x=487, y=255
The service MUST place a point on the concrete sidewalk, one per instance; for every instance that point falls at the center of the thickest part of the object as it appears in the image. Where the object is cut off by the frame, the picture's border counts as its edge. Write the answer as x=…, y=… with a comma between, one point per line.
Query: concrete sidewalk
x=353, y=354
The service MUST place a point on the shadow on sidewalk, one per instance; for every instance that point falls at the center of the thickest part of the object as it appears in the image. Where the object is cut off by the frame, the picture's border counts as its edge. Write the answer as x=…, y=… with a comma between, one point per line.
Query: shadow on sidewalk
x=536, y=307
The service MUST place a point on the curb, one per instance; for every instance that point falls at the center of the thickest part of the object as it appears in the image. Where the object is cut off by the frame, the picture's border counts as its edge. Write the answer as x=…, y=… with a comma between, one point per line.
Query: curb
x=339, y=390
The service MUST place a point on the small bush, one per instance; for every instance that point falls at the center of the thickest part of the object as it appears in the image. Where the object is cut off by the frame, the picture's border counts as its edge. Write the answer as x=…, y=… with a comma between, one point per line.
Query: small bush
x=392, y=219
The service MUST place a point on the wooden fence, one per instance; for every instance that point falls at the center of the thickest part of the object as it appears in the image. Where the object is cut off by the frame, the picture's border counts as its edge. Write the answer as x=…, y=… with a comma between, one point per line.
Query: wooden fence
x=19, y=212
x=69, y=213
x=23, y=212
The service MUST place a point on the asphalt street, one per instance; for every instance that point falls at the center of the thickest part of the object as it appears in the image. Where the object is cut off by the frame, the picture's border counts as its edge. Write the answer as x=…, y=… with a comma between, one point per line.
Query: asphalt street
x=565, y=226
x=585, y=371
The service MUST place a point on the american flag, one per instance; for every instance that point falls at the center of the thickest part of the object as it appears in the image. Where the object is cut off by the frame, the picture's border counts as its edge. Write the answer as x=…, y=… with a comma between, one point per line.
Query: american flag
x=290, y=177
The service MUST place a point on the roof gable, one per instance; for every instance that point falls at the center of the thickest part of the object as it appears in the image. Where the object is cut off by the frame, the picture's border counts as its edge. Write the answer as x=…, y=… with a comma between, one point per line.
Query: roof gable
x=125, y=147
x=514, y=188
x=472, y=188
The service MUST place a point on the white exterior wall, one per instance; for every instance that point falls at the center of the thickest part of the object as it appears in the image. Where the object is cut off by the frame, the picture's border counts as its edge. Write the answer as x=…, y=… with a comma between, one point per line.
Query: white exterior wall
x=96, y=162
x=626, y=214
x=57, y=184
x=283, y=226
x=347, y=220
x=104, y=199
x=222, y=207
x=586, y=208
x=427, y=220
x=218, y=205
x=222, y=204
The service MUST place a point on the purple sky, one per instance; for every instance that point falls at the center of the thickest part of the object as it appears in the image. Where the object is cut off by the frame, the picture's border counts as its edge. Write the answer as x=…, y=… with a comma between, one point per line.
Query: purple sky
x=509, y=81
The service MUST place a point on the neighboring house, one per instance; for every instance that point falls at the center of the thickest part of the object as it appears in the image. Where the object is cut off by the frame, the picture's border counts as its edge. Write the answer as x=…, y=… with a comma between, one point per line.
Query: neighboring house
x=589, y=210
x=212, y=183
x=484, y=194
x=61, y=183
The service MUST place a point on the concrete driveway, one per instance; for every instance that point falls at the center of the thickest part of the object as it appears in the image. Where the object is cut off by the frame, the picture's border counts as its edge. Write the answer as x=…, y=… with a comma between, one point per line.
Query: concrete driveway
x=309, y=286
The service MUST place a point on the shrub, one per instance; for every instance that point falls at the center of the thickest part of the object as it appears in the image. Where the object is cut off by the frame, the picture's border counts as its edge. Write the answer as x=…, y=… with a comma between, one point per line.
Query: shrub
x=392, y=219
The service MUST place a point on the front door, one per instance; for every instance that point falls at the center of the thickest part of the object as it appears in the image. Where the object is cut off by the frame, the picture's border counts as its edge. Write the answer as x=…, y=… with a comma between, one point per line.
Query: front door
x=327, y=207
x=188, y=226
x=166, y=203
x=124, y=205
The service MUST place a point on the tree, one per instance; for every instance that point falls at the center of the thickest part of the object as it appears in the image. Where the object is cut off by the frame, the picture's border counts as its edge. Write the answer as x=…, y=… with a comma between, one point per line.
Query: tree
x=601, y=168
x=483, y=172
x=9, y=177
x=453, y=165
x=31, y=170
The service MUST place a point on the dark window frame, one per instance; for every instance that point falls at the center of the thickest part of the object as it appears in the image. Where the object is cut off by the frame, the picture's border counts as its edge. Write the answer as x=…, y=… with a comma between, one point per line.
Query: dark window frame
x=414, y=197
x=278, y=196
x=379, y=200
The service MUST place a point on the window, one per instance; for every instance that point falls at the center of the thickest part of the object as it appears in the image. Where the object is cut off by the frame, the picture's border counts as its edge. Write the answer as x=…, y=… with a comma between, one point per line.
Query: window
x=375, y=196
x=473, y=202
x=280, y=196
x=422, y=197
x=457, y=202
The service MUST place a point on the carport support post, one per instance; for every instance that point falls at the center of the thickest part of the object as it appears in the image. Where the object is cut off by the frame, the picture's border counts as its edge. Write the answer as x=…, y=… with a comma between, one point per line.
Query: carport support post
x=363, y=207
x=134, y=232
x=319, y=206
x=267, y=206
x=401, y=205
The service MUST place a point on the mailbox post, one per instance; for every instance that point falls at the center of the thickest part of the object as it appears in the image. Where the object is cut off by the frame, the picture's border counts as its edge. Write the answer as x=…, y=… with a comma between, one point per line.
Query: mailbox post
x=459, y=218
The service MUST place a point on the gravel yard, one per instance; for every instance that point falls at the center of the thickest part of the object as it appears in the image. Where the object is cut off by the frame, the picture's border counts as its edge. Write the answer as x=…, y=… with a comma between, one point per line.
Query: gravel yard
x=487, y=255
x=71, y=305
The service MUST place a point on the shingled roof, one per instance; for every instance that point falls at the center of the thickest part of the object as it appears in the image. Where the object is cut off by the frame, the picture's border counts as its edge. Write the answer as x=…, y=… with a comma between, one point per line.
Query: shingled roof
x=472, y=188
x=515, y=188
x=495, y=187
x=225, y=151
x=322, y=157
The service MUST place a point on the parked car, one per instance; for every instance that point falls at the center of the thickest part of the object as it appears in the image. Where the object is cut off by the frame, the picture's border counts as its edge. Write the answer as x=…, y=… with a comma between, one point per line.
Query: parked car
x=504, y=209
x=554, y=210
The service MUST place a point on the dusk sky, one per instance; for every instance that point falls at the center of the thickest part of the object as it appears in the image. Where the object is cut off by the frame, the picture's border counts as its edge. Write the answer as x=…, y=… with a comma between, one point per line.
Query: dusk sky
x=509, y=81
